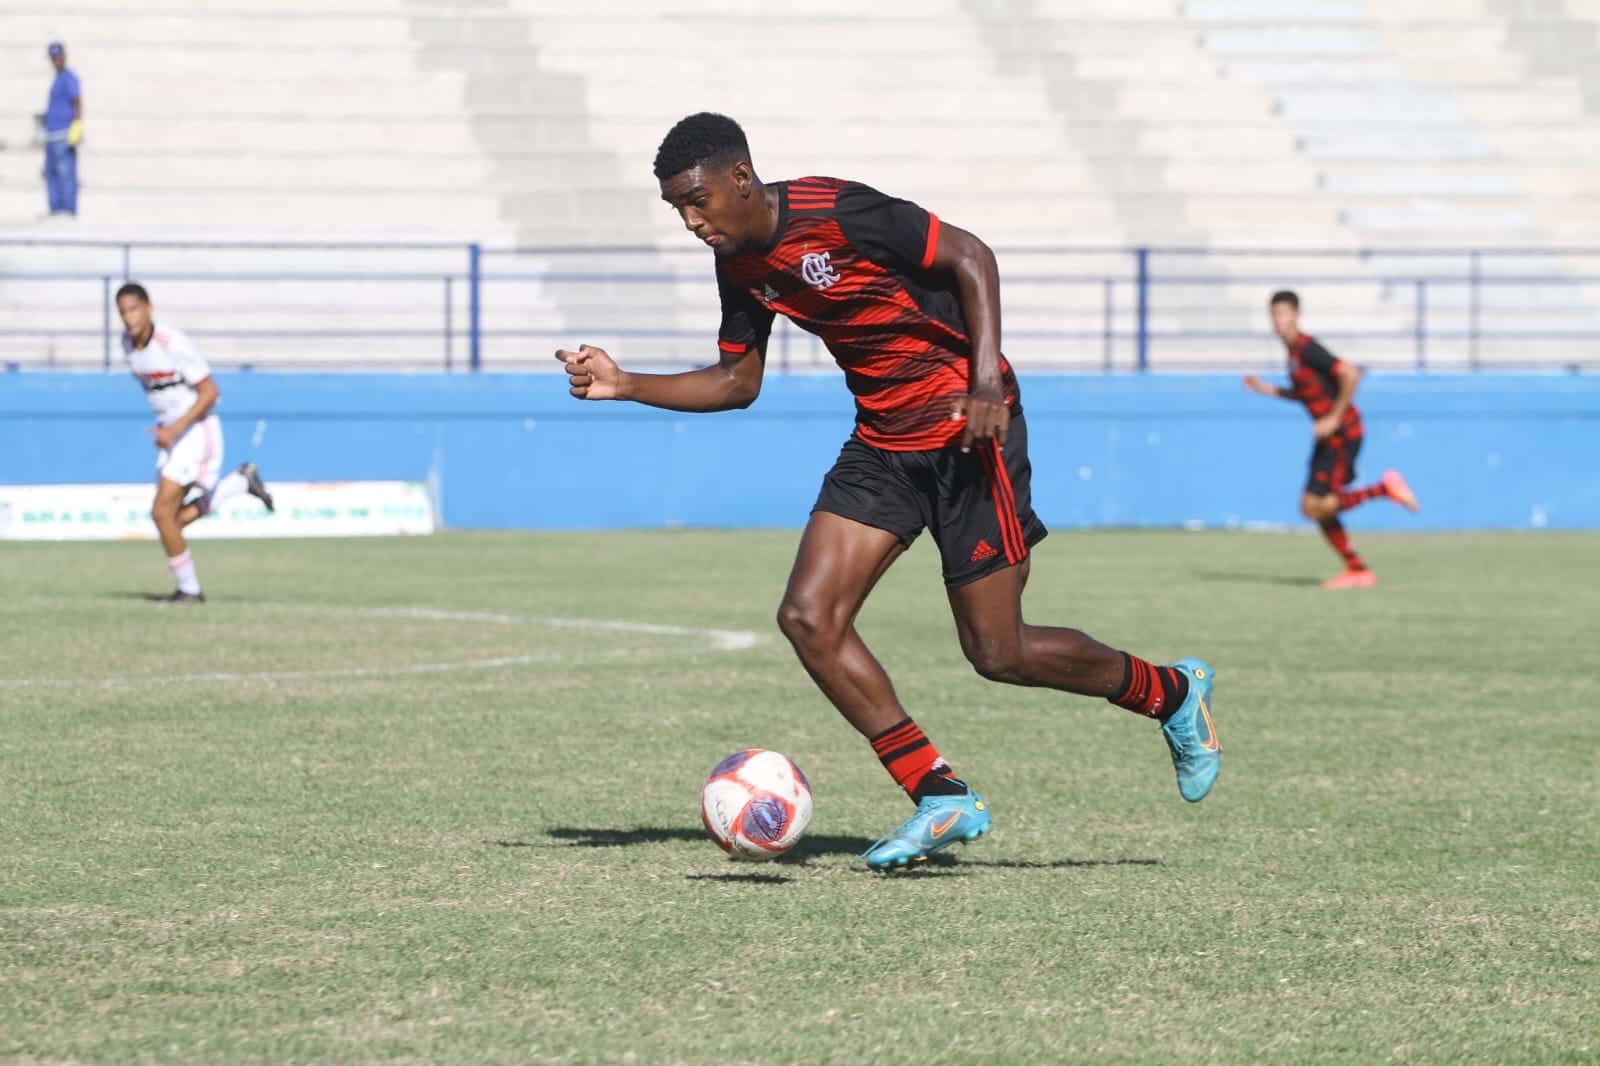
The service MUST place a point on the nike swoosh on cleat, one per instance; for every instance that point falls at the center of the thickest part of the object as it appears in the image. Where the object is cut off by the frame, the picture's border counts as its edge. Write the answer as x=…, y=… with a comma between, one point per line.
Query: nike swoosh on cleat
x=1210, y=743
x=941, y=830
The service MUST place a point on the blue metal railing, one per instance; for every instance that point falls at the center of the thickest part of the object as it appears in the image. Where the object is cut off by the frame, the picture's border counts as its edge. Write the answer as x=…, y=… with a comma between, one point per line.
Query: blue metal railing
x=1138, y=317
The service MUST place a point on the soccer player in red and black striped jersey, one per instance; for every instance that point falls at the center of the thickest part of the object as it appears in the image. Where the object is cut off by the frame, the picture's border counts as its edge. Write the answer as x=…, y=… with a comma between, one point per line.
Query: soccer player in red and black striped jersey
x=909, y=306
x=1327, y=387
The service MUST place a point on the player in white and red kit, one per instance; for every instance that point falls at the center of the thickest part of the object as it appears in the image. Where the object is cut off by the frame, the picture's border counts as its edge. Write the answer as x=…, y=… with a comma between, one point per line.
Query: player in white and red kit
x=178, y=384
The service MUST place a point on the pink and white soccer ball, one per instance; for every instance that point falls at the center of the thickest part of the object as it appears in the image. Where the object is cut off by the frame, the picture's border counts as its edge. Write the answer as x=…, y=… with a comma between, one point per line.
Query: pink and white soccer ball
x=756, y=804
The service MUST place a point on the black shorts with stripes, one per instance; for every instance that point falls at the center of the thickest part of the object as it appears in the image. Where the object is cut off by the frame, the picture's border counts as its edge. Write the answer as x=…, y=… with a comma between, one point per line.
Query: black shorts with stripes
x=1333, y=463
x=977, y=504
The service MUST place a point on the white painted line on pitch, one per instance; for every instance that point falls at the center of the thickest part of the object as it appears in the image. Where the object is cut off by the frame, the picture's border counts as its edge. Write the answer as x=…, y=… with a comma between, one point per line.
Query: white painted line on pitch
x=719, y=639
x=425, y=614
x=294, y=675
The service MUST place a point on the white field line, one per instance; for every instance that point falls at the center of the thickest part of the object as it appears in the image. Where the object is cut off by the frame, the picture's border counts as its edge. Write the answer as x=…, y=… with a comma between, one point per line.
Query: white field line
x=716, y=639
x=283, y=675
x=720, y=639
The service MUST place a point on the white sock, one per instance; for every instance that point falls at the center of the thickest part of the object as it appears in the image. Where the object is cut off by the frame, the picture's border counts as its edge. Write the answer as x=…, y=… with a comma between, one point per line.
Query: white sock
x=226, y=489
x=183, y=570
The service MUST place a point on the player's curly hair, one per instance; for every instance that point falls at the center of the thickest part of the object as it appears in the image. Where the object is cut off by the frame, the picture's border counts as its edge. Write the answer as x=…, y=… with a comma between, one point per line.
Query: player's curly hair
x=699, y=139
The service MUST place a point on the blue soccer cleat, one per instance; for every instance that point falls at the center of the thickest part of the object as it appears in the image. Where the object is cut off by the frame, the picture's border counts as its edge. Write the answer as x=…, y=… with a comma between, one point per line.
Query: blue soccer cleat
x=1196, y=751
x=939, y=822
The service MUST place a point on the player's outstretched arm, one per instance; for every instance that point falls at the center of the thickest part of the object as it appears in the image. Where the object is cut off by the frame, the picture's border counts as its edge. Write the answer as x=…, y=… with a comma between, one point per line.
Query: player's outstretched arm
x=732, y=383
x=1256, y=385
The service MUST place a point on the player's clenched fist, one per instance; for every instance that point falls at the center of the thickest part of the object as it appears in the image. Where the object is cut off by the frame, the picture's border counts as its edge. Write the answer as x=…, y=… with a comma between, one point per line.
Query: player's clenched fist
x=591, y=373
x=986, y=415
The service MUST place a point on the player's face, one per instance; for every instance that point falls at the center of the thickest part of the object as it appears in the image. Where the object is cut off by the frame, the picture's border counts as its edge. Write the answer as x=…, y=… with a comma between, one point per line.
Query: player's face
x=1286, y=322
x=135, y=314
x=714, y=203
x=59, y=62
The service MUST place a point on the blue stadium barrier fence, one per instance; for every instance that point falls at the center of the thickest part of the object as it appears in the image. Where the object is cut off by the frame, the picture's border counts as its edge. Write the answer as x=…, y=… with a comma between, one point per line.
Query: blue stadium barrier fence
x=1485, y=450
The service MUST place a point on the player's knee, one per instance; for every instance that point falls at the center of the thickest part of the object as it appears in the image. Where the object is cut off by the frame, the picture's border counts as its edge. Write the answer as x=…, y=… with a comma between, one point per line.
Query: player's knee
x=995, y=659
x=1314, y=507
x=805, y=622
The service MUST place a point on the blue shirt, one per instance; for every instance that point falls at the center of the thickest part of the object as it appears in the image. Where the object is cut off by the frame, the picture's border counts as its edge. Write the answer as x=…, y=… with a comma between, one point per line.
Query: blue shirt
x=63, y=91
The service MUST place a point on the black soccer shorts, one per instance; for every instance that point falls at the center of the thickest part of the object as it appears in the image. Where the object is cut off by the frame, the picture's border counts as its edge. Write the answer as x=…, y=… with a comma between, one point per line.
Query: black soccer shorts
x=1333, y=464
x=977, y=504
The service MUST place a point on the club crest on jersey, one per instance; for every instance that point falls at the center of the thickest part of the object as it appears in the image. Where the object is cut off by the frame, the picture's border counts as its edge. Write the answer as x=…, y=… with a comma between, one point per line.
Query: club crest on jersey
x=817, y=271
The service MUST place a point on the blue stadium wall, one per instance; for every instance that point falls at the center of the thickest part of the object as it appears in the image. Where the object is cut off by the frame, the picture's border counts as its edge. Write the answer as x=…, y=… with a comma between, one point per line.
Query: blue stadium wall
x=514, y=451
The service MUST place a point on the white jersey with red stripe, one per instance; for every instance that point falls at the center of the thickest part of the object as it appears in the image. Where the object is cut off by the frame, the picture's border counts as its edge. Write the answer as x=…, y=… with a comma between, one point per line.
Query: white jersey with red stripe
x=168, y=368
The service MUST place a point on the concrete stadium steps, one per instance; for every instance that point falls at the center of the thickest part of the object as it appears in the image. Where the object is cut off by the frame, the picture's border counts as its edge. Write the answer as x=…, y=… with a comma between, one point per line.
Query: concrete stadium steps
x=1318, y=124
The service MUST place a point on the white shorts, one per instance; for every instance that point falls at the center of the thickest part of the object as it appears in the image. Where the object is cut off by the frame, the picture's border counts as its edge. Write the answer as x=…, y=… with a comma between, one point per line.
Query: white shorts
x=195, y=459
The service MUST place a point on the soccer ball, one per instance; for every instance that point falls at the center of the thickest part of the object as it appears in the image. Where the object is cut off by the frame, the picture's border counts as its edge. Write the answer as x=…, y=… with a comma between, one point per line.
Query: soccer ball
x=756, y=804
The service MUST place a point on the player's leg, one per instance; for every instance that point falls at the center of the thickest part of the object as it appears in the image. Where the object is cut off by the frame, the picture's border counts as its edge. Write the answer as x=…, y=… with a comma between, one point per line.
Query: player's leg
x=192, y=465
x=164, y=510
x=1002, y=647
x=1332, y=466
x=985, y=527
x=1392, y=486
x=838, y=563
x=245, y=479
x=987, y=500
x=203, y=445
x=868, y=512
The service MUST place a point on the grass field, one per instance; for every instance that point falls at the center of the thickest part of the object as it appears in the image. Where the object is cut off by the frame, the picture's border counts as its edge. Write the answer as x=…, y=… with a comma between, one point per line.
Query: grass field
x=436, y=800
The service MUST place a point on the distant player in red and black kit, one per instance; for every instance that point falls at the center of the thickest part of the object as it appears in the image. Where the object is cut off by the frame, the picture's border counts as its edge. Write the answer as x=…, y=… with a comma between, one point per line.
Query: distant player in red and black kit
x=1327, y=387
x=910, y=309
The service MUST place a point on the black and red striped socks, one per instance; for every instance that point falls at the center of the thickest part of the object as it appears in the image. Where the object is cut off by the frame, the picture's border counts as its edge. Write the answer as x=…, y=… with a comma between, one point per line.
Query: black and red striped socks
x=1150, y=690
x=1333, y=529
x=1357, y=497
x=914, y=763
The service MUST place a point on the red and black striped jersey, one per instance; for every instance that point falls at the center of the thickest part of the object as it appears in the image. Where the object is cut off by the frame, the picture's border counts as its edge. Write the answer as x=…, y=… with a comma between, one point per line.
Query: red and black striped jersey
x=1313, y=379
x=855, y=267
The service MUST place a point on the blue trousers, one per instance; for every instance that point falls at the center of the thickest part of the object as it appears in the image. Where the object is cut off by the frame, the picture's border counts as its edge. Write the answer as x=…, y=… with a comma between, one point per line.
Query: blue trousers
x=61, y=177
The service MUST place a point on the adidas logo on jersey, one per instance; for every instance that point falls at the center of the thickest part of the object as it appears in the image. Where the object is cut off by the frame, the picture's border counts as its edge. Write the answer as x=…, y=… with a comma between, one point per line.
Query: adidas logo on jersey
x=769, y=294
x=983, y=551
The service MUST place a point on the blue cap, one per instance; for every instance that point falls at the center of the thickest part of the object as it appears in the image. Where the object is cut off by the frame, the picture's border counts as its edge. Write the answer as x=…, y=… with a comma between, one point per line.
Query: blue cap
x=56, y=49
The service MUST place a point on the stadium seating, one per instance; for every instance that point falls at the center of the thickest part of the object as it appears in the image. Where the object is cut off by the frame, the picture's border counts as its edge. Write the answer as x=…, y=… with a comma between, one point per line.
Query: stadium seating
x=1275, y=125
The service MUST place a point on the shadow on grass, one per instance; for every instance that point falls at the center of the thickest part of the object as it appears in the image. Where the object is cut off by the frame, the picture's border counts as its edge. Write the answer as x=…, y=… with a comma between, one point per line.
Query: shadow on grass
x=742, y=879
x=946, y=864
x=1029, y=864
x=1258, y=579
x=810, y=846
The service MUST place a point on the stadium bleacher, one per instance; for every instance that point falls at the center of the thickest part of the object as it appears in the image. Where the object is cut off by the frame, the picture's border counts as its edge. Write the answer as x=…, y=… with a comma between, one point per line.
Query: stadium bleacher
x=1209, y=124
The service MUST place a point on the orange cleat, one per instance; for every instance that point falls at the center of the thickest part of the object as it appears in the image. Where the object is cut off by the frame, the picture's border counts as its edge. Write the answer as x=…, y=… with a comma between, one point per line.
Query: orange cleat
x=1352, y=579
x=1399, y=491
